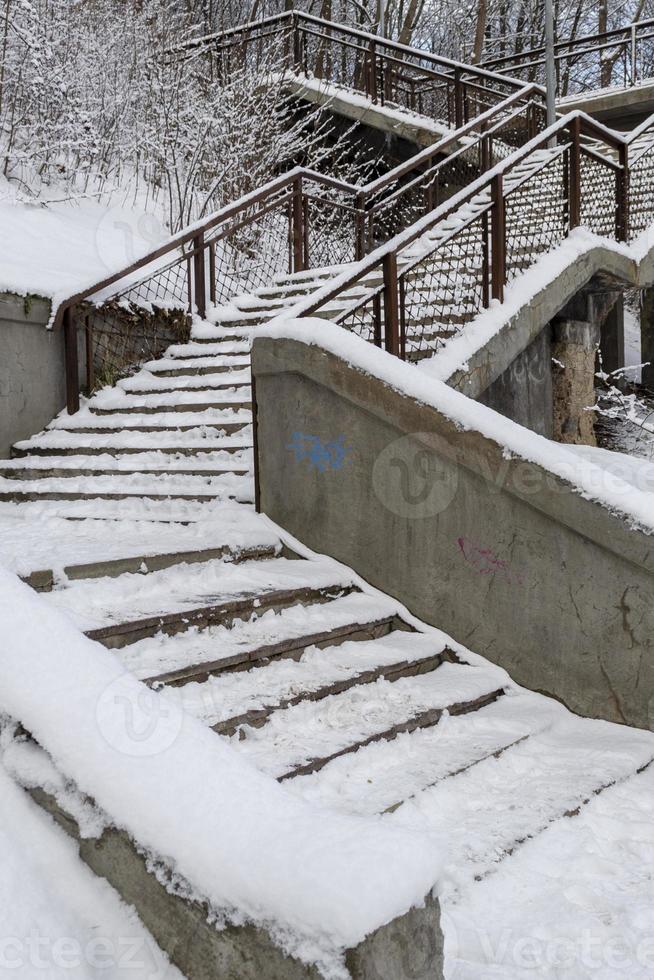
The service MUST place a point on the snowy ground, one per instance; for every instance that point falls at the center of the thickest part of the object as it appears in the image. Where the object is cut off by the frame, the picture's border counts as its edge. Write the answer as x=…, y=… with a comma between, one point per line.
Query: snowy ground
x=52, y=250
x=58, y=919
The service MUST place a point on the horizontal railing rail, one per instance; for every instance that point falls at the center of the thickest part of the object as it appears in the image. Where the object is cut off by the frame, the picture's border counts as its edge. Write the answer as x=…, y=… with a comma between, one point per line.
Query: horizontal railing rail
x=630, y=60
x=384, y=70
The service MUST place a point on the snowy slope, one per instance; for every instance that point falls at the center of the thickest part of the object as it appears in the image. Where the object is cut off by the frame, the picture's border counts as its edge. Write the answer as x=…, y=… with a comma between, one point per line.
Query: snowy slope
x=59, y=921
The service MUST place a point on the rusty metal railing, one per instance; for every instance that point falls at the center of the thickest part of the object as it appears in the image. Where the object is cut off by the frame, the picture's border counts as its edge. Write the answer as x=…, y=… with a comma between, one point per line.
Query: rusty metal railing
x=300, y=220
x=383, y=70
x=621, y=56
x=420, y=288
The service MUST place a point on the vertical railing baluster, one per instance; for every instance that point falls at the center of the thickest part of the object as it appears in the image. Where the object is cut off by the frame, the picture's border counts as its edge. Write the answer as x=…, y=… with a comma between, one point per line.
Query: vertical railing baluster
x=634, y=57
x=622, y=195
x=71, y=359
x=199, y=284
x=391, y=310
x=212, y=272
x=498, y=238
x=90, y=366
x=297, y=224
x=574, y=180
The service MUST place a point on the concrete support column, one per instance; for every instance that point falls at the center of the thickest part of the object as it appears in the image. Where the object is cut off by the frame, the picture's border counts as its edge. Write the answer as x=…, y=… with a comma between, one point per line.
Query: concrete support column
x=574, y=348
x=647, y=336
x=612, y=337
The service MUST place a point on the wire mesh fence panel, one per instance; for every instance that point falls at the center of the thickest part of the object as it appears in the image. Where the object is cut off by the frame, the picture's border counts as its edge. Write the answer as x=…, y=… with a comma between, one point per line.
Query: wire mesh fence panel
x=442, y=292
x=331, y=231
x=400, y=205
x=168, y=286
x=598, y=203
x=118, y=336
x=365, y=317
x=536, y=215
x=641, y=181
x=251, y=256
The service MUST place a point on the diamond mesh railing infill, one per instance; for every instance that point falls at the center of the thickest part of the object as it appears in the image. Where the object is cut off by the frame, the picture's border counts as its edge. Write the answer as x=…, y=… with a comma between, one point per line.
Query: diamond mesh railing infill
x=536, y=215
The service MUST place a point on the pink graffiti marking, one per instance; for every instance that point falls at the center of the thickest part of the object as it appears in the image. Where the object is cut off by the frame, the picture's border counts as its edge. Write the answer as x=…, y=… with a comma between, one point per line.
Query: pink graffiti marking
x=486, y=562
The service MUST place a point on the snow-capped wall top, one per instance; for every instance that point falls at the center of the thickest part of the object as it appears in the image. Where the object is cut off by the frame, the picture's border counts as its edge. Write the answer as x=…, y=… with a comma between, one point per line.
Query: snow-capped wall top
x=319, y=881
x=622, y=495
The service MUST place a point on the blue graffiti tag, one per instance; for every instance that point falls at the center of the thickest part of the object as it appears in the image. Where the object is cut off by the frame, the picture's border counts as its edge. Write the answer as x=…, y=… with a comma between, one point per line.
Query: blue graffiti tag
x=332, y=455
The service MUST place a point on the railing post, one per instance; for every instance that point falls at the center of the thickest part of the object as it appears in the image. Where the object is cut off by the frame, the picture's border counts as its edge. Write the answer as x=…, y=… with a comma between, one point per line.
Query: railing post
x=634, y=57
x=622, y=195
x=297, y=229
x=574, y=181
x=360, y=227
x=498, y=238
x=297, y=45
x=212, y=272
x=71, y=361
x=90, y=366
x=458, y=99
x=199, y=285
x=391, y=306
x=372, y=72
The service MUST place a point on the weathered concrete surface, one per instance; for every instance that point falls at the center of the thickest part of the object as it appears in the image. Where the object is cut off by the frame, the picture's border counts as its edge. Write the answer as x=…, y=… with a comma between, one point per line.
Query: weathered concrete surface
x=612, y=337
x=647, y=336
x=574, y=349
x=496, y=551
x=407, y=948
x=524, y=391
x=622, y=108
x=612, y=270
x=32, y=386
x=416, y=130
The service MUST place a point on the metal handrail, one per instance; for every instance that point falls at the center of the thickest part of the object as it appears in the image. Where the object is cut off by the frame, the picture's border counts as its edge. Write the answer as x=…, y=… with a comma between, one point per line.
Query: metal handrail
x=570, y=48
x=383, y=261
x=298, y=16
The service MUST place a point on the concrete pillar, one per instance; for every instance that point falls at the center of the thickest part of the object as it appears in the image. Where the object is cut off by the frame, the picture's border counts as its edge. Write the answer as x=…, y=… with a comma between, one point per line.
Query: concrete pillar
x=612, y=337
x=574, y=348
x=647, y=335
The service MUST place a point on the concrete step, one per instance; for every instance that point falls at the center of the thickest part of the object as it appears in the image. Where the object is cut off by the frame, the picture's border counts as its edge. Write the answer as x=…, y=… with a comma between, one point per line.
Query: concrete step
x=79, y=448
x=121, y=634
x=307, y=736
x=257, y=718
x=282, y=649
x=143, y=407
x=43, y=580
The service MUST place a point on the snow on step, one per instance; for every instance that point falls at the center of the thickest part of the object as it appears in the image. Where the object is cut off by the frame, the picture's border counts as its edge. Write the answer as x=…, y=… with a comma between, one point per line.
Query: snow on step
x=136, y=484
x=213, y=417
x=216, y=364
x=116, y=399
x=382, y=774
x=315, y=730
x=229, y=695
x=54, y=543
x=154, y=462
x=145, y=381
x=216, y=349
x=132, y=509
x=583, y=889
x=483, y=813
x=162, y=654
x=200, y=439
x=100, y=602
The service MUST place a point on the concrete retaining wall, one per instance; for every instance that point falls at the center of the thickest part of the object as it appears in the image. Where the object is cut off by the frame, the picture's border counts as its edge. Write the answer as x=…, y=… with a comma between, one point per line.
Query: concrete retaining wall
x=32, y=383
x=497, y=552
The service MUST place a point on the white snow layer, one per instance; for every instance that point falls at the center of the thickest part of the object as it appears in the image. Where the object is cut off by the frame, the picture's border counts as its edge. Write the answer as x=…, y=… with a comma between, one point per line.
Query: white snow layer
x=319, y=881
x=60, y=921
